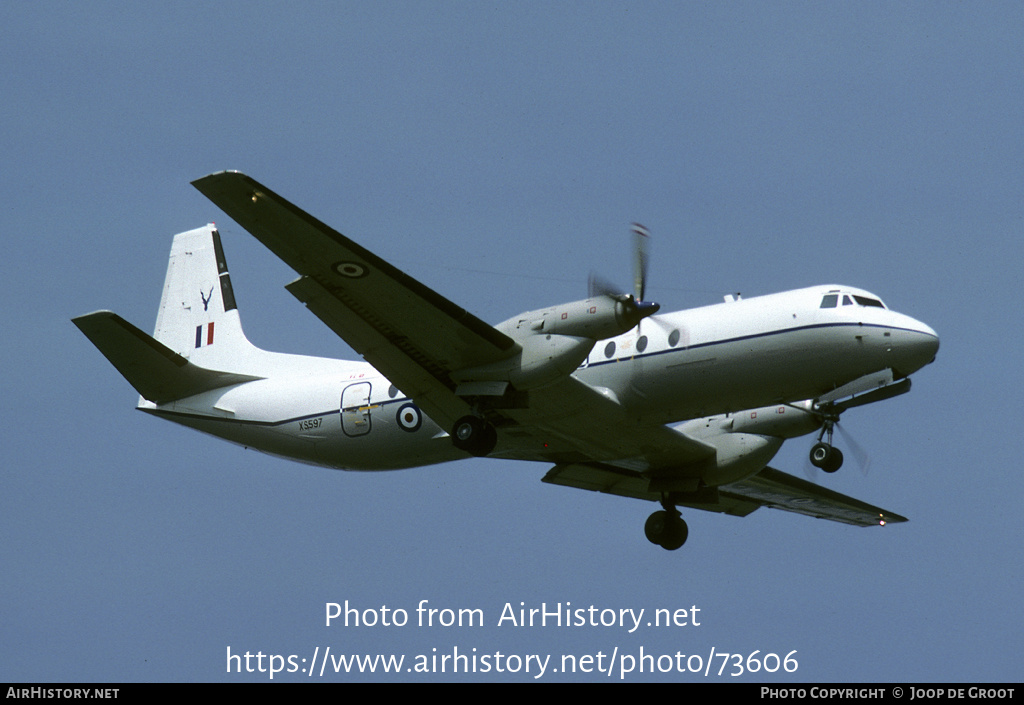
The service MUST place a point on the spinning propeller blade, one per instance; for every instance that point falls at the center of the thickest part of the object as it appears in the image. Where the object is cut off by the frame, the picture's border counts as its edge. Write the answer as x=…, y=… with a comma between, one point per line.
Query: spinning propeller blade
x=859, y=454
x=598, y=286
x=641, y=240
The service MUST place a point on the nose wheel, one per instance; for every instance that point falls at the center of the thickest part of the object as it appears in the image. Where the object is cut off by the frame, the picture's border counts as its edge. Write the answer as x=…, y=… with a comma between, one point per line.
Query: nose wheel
x=826, y=456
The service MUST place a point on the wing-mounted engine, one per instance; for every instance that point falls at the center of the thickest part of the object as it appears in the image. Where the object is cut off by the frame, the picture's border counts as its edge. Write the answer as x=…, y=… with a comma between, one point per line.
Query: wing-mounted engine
x=553, y=342
x=746, y=441
x=597, y=318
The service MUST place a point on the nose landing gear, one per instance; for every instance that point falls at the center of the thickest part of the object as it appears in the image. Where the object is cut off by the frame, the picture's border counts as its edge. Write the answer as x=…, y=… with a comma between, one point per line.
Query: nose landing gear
x=826, y=456
x=823, y=454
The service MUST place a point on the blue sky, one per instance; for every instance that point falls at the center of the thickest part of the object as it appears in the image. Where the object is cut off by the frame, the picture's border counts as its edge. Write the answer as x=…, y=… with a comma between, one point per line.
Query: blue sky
x=498, y=153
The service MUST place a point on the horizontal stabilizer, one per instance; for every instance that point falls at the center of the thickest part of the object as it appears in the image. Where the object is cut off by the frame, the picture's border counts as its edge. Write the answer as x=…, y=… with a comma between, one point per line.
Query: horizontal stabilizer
x=158, y=373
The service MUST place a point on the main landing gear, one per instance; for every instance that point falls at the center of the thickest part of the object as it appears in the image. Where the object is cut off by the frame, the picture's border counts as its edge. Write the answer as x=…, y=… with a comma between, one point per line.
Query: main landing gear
x=474, y=435
x=666, y=528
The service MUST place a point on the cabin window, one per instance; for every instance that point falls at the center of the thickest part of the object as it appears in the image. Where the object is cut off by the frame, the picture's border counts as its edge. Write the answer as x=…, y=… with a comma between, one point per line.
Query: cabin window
x=673, y=338
x=830, y=301
x=641, y=344
x=609, y=349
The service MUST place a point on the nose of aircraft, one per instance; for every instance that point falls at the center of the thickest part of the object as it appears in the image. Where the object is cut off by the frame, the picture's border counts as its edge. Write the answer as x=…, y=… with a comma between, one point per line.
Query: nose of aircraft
x=917, y=346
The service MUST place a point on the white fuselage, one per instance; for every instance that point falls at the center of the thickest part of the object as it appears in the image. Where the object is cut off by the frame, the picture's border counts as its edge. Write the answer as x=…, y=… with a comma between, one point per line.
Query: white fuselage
x=775, y=349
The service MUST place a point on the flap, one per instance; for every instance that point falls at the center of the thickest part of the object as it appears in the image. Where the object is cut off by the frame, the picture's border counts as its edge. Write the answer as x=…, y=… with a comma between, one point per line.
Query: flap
x=769, y=488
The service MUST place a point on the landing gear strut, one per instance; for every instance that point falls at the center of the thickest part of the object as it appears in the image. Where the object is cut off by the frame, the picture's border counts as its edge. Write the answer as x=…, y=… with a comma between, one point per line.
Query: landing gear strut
x=474, y=435
x=823, y=454
x=666, y=528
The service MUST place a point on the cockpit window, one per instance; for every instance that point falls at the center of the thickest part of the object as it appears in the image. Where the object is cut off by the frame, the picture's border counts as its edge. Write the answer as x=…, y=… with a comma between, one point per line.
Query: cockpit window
x=866, y=301
x=832, y=300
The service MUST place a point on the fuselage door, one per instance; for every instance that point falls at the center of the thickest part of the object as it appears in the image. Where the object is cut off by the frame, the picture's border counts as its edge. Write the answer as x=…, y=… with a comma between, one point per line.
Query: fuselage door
x=355, y=409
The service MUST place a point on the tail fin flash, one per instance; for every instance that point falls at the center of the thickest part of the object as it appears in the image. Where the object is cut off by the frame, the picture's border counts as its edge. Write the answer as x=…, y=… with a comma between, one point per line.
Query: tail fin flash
x=198, y=332
x=198, y=317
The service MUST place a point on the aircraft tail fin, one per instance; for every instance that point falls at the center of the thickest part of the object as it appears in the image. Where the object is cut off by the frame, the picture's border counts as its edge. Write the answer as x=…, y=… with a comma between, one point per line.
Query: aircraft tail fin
x=198, y=317
x=158, y=373
x=198, y=331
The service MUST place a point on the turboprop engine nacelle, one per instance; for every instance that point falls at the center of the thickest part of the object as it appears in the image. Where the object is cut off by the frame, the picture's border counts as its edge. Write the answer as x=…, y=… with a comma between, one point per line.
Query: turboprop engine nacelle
x=553, y=342
x=596, y=318
x=746, y=441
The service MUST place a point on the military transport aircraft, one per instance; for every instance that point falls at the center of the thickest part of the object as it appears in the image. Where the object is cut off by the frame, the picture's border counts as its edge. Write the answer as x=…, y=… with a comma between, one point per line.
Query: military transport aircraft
x=684, y=408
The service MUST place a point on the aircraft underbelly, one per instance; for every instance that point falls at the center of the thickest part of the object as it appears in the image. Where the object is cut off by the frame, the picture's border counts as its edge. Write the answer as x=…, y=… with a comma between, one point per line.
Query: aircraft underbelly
x=323, y=421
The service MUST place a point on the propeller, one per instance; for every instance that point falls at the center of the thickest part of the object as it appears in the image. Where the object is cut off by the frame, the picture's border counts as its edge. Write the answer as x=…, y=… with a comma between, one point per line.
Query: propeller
x=641, y=256
x=599, y=286
x=829, y=413
x=861, y=456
